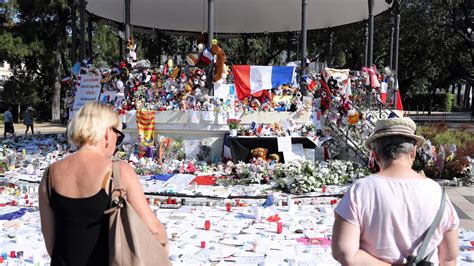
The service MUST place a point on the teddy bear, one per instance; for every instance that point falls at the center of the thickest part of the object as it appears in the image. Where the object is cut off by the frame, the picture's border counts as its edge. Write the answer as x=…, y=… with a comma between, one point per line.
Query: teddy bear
x=220, y=57
x=259, y=153
x=273, y=158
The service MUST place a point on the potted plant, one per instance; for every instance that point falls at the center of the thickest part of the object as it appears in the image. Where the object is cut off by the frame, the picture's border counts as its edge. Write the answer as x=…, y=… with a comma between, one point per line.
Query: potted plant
x=233, y=124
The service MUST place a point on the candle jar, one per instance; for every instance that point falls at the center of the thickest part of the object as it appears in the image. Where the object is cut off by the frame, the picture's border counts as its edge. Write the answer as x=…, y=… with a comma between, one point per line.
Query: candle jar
x=279, y=227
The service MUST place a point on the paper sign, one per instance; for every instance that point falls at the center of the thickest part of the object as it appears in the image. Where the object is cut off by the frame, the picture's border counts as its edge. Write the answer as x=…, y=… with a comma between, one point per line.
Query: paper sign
x=316, y=119
x=224, y=91
x=284, y=144
x=291, y=156
x=310, y=154
x=298, y=149
x=191, y=148
x=88, y=91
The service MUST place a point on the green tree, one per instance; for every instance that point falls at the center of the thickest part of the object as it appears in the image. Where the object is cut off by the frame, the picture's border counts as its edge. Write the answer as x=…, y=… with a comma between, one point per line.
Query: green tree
x=34, y=45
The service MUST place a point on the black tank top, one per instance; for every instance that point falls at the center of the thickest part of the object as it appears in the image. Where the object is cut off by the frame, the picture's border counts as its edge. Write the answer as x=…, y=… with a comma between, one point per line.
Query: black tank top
x=81, y=229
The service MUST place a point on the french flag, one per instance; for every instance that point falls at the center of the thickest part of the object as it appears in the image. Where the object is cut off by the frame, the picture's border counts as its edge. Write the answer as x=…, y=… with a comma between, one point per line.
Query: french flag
x=206, y=57
x=383, y=91
x=253, y=79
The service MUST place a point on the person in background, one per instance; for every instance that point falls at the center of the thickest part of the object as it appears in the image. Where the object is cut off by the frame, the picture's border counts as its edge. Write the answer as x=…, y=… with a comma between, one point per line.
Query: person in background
x=75, y=191
x=8, y=123
x=382, y=218
x=28, y=120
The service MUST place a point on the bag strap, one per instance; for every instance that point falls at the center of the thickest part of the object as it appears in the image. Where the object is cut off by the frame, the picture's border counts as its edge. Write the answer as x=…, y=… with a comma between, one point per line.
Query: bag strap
x=116, y=174
x=429, y=233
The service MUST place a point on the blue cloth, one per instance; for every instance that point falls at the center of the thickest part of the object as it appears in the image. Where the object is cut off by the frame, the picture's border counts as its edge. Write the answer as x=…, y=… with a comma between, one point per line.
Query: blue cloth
x=161, y=177
x=268, y=202
x=13, y=215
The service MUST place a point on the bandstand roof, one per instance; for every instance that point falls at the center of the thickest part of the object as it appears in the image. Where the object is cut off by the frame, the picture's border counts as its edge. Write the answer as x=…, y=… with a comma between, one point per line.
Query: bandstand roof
x=236, y=16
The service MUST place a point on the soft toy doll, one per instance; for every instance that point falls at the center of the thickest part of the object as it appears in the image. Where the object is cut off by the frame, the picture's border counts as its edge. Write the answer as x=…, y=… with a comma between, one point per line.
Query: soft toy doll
x=132, y=55
x=204, y=57
x=281, y=107
x=273, y=158
x=259, y=153
x=255, y=105
x=220, y=60
x=266, y=105
x=199, y=78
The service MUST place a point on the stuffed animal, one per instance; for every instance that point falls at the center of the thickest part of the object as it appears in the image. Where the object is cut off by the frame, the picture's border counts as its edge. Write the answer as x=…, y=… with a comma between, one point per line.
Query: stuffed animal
x=132, y=55
x=259, y=153
x=273, y=158
x=220, y=56
x=204, y=57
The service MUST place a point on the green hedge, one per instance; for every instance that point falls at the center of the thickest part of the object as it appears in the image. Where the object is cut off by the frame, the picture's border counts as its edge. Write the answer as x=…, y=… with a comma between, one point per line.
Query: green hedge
x=422, y=102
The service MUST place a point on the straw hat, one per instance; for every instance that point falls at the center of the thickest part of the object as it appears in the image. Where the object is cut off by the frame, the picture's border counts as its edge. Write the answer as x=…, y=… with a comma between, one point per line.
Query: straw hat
x=29, y=108
x=394, y=127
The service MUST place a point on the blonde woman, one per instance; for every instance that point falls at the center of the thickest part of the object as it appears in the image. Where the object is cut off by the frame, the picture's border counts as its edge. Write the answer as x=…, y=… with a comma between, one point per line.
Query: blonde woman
x=74, y=193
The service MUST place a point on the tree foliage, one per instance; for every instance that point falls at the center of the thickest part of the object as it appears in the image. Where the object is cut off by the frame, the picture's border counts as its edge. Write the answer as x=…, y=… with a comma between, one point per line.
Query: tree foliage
x=434, y=49
x=32, y=32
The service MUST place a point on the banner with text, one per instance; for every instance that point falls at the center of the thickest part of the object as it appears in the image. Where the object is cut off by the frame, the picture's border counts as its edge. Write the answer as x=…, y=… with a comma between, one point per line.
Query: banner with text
x=88, y=91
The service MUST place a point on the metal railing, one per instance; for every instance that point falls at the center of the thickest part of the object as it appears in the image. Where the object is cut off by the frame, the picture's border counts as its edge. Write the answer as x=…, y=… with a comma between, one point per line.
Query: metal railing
x=423, y=114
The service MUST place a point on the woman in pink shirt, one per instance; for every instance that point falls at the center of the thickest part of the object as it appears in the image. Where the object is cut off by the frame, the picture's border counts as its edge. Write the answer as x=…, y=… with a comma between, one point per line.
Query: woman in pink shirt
x=381, y=220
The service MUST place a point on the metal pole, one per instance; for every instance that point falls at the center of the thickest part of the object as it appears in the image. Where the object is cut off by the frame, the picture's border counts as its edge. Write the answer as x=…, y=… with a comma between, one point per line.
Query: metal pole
x=392, y=33
x=210, y=35
x=395, y=56
x=73, y=33
x=160, y=46
x=304, y=36
x=331, y=36
x=120, y=41
x=246, y=49
x=396, y=43
x=89, y=36
x=288, y=47
x=210, y=22
x=82, y=7
x=366, y=54
x=127, y=20
x=371, y=33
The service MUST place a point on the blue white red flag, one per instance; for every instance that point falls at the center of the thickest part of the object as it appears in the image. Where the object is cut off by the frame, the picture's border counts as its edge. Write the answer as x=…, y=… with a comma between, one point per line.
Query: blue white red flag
x=253, y=79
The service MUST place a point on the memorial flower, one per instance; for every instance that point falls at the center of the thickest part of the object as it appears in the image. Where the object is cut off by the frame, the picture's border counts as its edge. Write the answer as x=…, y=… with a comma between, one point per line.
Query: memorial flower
x=233, y=123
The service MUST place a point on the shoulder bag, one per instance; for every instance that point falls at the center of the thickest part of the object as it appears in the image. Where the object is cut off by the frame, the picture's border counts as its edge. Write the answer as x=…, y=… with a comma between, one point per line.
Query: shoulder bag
x=130, y=240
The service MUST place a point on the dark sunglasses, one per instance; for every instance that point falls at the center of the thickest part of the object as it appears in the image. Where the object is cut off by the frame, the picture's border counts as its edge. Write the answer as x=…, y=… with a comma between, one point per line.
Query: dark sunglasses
x=120, y=136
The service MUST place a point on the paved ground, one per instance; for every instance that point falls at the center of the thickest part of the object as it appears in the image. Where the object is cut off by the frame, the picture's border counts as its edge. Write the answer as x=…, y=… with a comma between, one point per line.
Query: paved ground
x=40, y=128
x=461, y=197
x=463, y=201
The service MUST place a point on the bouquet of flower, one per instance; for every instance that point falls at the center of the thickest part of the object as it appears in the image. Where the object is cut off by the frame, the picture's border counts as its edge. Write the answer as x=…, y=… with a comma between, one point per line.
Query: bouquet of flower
x=233, y=123
x=299, y=177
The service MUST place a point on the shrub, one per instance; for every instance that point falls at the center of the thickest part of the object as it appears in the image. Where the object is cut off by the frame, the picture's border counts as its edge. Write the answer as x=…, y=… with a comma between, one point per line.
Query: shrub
x=443, y=163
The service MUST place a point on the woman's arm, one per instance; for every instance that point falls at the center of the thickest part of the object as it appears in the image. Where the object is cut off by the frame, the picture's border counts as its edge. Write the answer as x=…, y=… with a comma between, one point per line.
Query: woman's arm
x=345, y=245
x=448, y=249
x=136, y=198
x=46, y=215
